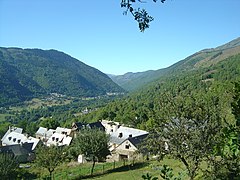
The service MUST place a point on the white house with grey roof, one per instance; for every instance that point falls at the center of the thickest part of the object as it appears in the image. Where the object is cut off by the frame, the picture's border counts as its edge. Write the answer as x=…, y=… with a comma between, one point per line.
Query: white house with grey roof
x=123, y=133
x=14, y=138
x=128, y=149
x=59, y=137
x=123, y=140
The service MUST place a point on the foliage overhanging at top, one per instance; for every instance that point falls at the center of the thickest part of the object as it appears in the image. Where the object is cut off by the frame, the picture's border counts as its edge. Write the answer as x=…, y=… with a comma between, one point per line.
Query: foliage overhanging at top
x=140, y=15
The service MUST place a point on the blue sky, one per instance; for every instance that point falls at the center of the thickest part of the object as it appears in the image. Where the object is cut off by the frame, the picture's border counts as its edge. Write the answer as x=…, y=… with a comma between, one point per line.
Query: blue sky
x=97, y=33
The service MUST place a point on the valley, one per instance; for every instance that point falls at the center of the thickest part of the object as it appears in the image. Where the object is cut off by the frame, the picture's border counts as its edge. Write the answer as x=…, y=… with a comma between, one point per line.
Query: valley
x=192, y=106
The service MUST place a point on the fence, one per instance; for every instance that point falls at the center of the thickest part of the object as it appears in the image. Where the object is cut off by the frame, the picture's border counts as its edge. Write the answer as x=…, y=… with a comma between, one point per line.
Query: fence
x=83, y=171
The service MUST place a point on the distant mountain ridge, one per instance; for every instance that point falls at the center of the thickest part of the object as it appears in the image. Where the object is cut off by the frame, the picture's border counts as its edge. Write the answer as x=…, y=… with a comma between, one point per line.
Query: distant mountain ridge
x=202, y=59
x=27, y=73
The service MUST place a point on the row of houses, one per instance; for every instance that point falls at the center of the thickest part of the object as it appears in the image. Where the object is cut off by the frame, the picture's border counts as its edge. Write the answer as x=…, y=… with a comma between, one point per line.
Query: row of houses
x=124, y=141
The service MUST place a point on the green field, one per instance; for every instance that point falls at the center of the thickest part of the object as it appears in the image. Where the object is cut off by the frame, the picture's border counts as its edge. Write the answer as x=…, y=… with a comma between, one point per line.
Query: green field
x=2, y=117
x=109, y=171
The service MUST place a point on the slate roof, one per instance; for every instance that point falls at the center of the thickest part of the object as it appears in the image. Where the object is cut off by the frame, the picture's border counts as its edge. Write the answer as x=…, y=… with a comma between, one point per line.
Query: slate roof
x=79, y=125
x=136, y=141
x=22, y=152
x=124, y=133
x=97, y=125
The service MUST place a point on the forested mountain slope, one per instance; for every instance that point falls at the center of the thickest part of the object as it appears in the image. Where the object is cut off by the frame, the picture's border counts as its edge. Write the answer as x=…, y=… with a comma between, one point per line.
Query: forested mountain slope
x=143, y=107
x=202, y=59
x=28, y=73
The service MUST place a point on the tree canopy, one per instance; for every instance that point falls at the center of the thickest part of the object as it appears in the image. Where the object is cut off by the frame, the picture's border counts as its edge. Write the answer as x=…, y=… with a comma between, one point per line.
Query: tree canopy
x=93, y=144
x=8, y=166
x=49, y=157
x=139, y=14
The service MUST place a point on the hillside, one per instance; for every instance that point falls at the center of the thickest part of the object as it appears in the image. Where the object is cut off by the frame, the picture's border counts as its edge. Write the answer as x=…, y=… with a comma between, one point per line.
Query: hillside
x=210, y=73
x=28, y=73
x=202, y=59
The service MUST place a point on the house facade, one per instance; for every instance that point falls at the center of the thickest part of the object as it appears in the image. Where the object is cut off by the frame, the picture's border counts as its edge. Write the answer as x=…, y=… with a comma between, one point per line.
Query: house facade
x=129, y=149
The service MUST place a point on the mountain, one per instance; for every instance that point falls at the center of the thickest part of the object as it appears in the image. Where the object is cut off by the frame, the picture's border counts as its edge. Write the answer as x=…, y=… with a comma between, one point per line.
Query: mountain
x=202, y=59
x=28, y=73
x=203, y=81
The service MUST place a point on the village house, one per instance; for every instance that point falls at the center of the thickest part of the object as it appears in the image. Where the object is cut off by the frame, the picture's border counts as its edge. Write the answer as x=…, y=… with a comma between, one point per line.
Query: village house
x=128, y=149
x=124, y=141
x=123, y=133
x=19, y=145
x=14, y=137
x=12, y=129
x=59, y=137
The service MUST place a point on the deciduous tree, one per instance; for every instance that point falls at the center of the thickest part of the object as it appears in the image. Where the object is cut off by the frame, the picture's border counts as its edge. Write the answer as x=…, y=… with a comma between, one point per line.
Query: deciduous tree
x=49, y=157
x=93, y=144
x=190, y=125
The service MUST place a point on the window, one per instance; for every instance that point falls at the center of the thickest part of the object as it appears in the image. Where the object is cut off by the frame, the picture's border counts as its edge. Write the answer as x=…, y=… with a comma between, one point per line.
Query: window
x=127, y=146
x=111, y=130
x=53, y=138
x=14, y=139
x=57, y=139
x=9, y=138
x=130, y=135
x=120, y=135
x=19, y=141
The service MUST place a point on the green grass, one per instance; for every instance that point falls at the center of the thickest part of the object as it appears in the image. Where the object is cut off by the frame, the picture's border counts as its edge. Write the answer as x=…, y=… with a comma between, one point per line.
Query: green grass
x=109, y=171
x=2, y=117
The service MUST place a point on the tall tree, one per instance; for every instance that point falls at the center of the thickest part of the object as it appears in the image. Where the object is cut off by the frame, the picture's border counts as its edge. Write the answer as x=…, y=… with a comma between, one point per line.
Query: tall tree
x=190, y=125
x=93, y=144
x=49, y=157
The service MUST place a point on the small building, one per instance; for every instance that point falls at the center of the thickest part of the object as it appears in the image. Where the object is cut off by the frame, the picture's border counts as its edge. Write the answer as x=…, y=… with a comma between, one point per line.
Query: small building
x=81, y=159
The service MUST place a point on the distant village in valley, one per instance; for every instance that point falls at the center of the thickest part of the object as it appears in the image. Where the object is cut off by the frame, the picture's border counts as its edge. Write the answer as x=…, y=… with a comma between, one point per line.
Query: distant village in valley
x=123, y=145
